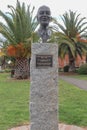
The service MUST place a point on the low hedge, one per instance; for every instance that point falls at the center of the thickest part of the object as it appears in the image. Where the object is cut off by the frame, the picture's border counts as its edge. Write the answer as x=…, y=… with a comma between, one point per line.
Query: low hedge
x=66, y=68
x=82, y=69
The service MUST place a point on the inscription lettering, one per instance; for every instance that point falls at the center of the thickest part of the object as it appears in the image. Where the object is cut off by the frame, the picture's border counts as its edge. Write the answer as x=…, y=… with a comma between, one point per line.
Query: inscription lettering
x=44, y=61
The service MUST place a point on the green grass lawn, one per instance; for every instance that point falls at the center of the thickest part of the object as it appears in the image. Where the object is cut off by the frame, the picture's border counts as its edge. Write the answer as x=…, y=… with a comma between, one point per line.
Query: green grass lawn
x=84, y=77
x=14, y=103
x=72, y=104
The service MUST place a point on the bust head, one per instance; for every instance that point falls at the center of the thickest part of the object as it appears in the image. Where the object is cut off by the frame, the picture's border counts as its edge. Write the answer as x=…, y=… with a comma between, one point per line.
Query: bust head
x=44, y=15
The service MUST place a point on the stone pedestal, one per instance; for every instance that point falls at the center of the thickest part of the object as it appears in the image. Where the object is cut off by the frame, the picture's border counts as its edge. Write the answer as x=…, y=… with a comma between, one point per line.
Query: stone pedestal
x=44, y=87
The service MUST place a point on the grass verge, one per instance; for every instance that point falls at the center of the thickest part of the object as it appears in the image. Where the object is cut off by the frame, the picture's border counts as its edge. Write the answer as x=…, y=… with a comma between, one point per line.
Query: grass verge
x=72, y=104
x=14, y=103
x=84, y=77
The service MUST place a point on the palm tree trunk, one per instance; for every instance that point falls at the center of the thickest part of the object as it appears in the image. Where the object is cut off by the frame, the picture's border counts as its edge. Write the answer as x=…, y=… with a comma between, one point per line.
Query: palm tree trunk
x=22, y=68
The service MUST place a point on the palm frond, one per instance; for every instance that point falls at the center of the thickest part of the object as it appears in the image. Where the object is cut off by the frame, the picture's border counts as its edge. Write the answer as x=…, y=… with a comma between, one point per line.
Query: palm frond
x=20, y=23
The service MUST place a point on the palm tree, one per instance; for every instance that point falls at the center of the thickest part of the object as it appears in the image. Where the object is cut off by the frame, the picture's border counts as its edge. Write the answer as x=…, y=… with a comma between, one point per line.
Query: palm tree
x=18, y=30
x=67, y=37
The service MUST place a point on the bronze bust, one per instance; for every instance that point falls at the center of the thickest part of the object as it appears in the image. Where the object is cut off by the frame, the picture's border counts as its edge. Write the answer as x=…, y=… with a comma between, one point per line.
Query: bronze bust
x=44, y=18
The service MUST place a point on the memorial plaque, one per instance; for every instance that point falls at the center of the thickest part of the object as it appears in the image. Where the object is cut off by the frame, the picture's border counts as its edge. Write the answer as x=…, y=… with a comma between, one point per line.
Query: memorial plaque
x=44, y=61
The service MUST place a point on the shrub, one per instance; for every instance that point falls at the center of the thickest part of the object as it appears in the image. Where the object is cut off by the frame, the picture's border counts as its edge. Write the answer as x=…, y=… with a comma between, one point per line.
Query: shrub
x=83, y=69
x=60, y=69
x=66, y=68
x=1, y=71
x=7, y=70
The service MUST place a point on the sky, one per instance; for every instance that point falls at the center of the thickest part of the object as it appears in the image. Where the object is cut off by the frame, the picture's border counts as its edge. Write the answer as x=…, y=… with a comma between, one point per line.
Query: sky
x=58, y=7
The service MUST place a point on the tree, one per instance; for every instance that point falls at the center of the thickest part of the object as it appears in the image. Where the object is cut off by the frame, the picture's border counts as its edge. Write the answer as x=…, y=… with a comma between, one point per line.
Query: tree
x=67, y=37
x=18, y=30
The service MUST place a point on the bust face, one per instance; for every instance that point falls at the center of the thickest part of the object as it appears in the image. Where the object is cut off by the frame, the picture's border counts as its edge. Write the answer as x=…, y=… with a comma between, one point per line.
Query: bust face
x=43, y=15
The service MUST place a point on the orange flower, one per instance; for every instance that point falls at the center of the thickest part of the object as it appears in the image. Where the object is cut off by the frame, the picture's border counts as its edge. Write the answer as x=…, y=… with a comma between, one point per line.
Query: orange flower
x=18, y=50
x=11, y=51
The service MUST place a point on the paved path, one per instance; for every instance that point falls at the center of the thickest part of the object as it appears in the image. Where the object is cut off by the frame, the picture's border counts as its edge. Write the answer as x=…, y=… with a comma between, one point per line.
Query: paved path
x=61, y=127
x=78, y=82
